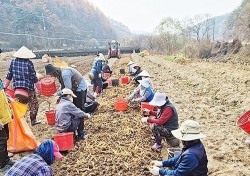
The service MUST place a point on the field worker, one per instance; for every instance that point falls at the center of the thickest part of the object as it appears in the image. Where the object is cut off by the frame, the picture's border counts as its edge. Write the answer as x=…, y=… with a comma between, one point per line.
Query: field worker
x=131, y=69
x=91, y=103
x=138, y=69
x=105, y=69
x=95, y=74
x=37, y=163
x=193, y=159
x=70, y=78
x=24, y=77
x=163, y=121
x=5, y=119
x=145, y=75
x=69, y=118
x=143, y=93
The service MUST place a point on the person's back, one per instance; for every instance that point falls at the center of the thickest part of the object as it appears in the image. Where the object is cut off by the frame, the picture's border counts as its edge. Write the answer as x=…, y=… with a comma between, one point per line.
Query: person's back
x=30, y=165
x=37, y=164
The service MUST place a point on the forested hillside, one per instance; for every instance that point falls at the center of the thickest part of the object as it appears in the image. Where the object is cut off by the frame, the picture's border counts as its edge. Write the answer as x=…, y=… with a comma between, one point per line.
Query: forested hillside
x=55, y=23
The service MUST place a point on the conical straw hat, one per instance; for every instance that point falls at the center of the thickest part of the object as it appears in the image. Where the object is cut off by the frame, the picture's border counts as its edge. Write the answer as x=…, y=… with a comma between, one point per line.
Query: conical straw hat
x=24, y=53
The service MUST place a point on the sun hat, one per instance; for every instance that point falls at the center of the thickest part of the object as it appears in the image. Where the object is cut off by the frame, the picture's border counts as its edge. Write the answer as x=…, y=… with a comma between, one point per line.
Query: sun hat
x=56, y=152
x=144, y=73
x=101, y=56
x=24, y=53
x=50, y=69
x=189, y=130
x=130, y=63
x=136, y=65
x=66, y=91
x=159, y=99
x=144, y=83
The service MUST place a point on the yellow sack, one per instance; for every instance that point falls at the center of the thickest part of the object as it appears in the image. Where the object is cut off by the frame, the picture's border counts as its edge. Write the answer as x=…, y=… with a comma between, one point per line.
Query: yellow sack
x=5, y=111
x=21, y=137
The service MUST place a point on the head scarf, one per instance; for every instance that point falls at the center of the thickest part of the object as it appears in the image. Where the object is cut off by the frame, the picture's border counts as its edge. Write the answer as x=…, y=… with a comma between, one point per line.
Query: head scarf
x=45, y=150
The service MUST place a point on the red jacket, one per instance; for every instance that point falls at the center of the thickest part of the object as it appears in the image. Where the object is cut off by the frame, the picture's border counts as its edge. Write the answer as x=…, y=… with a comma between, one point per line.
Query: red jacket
x=165, y=116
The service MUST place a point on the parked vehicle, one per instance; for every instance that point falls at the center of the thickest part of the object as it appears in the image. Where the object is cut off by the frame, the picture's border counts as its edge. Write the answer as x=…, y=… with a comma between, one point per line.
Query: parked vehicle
x=114, y=50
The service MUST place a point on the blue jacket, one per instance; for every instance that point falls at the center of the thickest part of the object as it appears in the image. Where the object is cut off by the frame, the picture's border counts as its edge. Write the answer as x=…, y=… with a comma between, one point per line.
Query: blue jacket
x=192, y=162
x=96, y=67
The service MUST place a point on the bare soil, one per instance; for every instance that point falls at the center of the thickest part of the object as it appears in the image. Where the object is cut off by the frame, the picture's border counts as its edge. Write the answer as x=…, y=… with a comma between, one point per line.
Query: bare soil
x=214, y=94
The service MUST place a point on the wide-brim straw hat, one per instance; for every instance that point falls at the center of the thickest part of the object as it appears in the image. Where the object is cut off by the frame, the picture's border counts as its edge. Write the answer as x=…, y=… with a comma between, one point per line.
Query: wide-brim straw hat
x=24, y=53
x=130, y=63
x=144, y=73
x=144, y=83
x=136, y=65
x=189, y=130
x=159, y=99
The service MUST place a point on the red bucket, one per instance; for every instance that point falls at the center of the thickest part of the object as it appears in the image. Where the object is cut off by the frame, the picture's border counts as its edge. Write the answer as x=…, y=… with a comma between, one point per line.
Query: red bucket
x=65, y=141
x=10, y=92
x=146, y=105
x=121, y=104
x=125, y=80
x=244, y=122
x=48, y=86
x=51, y=117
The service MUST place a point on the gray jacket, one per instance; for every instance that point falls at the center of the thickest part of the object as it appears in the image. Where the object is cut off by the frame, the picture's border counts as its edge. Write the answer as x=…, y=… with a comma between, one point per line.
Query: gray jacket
x=65, y=112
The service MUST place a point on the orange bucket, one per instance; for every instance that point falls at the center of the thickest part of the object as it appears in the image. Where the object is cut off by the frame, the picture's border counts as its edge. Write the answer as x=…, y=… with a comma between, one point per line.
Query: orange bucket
x=48, y=86
x=125, y=80
x=121, y=104
x=146, y=105
x=244, y=122
x=65, y=141
x=51, y=117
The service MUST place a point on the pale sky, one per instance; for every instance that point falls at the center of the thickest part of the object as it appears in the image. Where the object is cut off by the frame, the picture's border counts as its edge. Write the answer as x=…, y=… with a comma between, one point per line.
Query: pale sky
x=145, y=15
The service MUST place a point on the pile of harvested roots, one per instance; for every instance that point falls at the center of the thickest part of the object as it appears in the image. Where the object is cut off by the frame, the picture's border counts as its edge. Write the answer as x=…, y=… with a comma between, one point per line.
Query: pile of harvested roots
x=119, y=144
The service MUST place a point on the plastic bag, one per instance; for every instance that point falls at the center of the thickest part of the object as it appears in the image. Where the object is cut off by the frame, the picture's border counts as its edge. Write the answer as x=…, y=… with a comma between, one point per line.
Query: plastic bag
x=21, y=137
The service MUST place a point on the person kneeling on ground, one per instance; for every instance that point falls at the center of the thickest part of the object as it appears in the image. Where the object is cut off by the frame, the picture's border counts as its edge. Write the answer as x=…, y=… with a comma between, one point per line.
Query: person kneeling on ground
x=136, y=78
x=69, y=118
x=105, y=69
x=38, y=163
x=91, y=103
x=131, y=69
x=163, y=122
x=193, y=159
x=144, y=93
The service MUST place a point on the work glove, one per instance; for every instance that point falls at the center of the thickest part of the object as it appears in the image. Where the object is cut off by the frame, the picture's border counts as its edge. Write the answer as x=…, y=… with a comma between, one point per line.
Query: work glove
x=6, y=83
x=157, y=163
x=88, y=115
x=144, y=119
x=155, y=170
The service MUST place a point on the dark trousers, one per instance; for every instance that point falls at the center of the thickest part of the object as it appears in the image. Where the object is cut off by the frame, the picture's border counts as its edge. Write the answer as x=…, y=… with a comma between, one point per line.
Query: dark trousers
x=4, y=136
x=97, y=82
x=80, y=100
x=161, y=132
x=91, y=107
x=77, y=124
